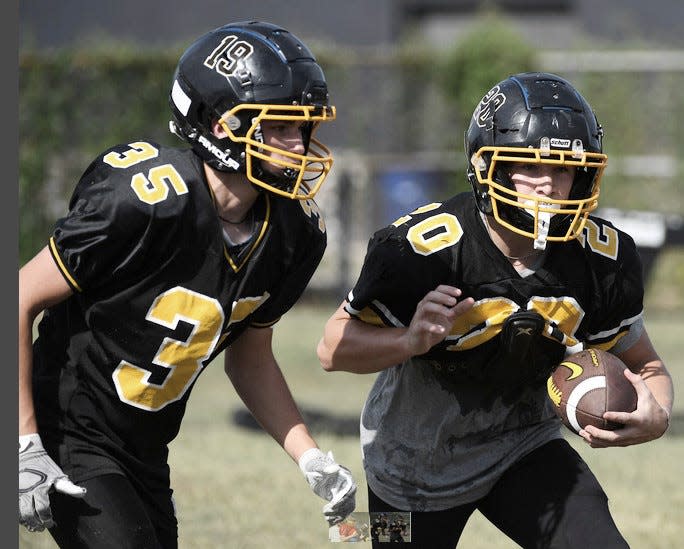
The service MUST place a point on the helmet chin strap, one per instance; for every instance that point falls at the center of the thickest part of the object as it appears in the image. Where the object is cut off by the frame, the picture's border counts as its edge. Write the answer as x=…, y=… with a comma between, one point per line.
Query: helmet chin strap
x=289, y=174
x=282, y=181
x=543, y=224
x=543, y=221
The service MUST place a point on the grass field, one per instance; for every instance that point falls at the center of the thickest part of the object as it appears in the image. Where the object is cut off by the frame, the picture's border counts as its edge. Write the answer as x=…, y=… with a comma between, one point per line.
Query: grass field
x=235, y=488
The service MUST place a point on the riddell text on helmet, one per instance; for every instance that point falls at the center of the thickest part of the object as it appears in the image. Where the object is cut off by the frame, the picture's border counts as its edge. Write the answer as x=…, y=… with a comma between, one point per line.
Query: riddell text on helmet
x=218, y=153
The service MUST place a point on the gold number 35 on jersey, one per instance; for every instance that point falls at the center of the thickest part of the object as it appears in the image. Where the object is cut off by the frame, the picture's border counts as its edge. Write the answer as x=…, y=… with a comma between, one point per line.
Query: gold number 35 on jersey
x=152, y=187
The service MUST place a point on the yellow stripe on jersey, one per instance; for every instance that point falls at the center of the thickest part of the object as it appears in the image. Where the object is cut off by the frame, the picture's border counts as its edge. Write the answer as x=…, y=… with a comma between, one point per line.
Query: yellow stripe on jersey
x=369, y=316
x=265, y=324
x=61, y=266
x=607, y=345
x=264, y=226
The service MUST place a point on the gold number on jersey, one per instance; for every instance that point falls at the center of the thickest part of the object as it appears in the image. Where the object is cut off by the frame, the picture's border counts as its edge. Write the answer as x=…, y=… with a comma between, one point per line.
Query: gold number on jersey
x=155, y=187
x=139, y=152
x=422, y=209
x=183, y=359
x=603, y=242
x=563, y=313
x=481, y=323
x=245, y=306
x=434, y=233
x=485, y=320
x=311, y=209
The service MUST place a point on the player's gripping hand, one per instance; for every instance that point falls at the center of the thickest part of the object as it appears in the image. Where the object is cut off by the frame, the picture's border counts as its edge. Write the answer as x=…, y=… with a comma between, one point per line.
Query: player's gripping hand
x=434, y=317
x=38, y=476
x=330, y=481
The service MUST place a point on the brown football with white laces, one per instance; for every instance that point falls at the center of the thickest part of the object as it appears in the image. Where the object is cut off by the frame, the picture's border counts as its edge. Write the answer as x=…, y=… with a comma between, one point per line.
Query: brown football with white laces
x=587, y=384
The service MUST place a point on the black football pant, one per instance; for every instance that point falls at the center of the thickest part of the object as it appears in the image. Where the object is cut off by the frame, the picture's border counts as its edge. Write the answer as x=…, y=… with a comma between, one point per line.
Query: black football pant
x=112, y=515
x=548, y=500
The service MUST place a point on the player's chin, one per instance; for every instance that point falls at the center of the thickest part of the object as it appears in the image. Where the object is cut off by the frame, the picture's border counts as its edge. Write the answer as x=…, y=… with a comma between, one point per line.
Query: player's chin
x=277, y=169
x=273, y=169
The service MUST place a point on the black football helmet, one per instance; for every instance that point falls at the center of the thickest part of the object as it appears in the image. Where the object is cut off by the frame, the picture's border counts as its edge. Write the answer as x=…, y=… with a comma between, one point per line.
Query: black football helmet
x=537, y=118
x=240, y=75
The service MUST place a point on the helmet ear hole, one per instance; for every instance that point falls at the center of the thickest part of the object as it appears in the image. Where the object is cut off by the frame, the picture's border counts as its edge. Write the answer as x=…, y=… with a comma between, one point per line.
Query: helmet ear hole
x=484, y=203
x=307, y=130
x=583, y=184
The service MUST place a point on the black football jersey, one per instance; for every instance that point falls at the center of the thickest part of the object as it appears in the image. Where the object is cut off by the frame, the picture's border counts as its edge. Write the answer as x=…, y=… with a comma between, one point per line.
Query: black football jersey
x=157, y=295
x=587, y=291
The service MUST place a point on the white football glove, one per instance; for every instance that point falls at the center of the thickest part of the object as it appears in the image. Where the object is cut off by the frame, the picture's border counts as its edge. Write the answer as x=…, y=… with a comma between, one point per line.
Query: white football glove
x=330, y=481
x=38, y=476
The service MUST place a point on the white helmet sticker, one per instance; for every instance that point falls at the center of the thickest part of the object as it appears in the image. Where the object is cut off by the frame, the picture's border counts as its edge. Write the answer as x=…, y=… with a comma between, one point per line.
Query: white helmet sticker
x=180, y=98
x=489, y=104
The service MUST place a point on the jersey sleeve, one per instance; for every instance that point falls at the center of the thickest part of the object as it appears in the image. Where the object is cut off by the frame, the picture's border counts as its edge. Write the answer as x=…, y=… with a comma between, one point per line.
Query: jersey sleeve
x=99, y=237
x=622, y=289
x=308, y=252
x=392, y=281
x=293, y=285
x=369, y=286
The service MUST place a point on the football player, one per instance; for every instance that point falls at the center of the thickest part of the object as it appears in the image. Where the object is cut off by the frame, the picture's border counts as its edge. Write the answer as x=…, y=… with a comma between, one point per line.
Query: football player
x=166, y=258
x=465, y=306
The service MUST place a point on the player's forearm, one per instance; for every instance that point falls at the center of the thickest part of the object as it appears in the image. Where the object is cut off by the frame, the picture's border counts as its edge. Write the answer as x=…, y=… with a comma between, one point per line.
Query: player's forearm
x=643, y=359
x=41, y=285
x=275, y=409
x=264, y=391
x=350, y=345
x=659, y=382
x=27, y=420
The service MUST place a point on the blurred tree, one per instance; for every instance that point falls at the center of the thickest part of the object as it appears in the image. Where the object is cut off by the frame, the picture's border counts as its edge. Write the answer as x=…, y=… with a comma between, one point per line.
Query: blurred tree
x=490, y=52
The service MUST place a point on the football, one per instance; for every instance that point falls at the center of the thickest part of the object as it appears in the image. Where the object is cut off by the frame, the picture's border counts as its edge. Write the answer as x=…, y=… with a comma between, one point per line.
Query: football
x=587, y=384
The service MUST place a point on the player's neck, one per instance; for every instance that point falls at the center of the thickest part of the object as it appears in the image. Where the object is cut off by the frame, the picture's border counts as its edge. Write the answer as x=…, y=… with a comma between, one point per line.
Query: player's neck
x=234, y=199
x=233, y=193
x=518, y=249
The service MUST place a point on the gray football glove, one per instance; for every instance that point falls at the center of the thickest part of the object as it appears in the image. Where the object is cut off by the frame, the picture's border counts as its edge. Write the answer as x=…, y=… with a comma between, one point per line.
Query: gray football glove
x=38, y=476
x=330, y=481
